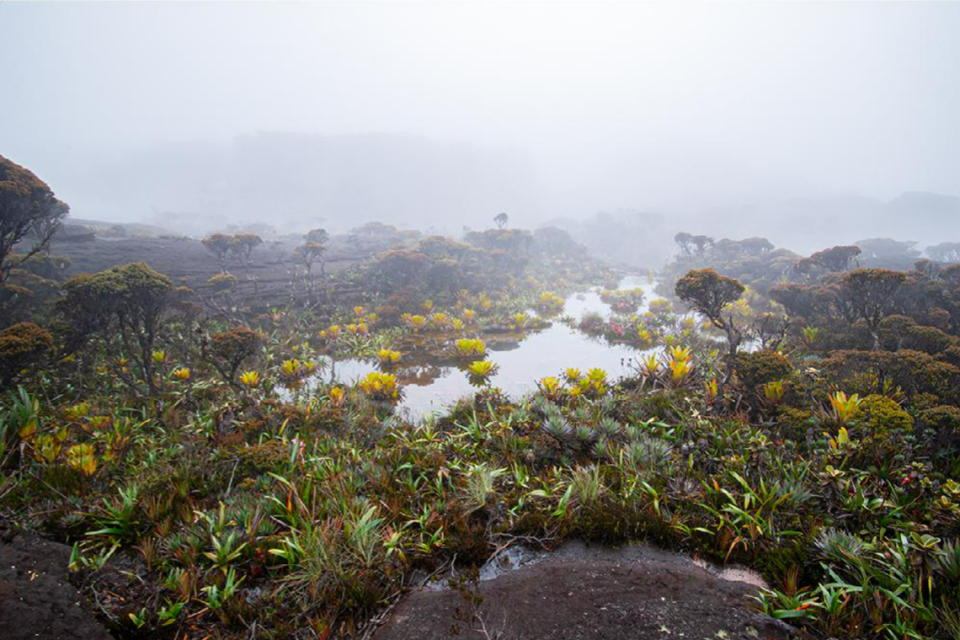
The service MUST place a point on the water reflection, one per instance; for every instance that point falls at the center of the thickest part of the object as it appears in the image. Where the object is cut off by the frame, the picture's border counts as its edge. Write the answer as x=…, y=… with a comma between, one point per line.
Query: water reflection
x=521, y=360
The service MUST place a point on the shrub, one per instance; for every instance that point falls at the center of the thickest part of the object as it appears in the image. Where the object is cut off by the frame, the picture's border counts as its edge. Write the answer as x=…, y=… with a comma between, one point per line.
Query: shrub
x=222, y=282
x=27, y=207
x=879, y=416
x=21, y=345
x=943, y=418
x=228, y=350
x=760, y=367
x=872, y=371
x=125, y=302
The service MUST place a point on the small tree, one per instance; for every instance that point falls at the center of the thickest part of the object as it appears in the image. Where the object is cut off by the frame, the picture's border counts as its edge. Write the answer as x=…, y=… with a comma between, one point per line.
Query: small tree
x=501, y=220
x=702, y=243
x=227, y=351
x=220, y=245
x=27, y=206
x=871, y=295
x=242, y=246
x=709, y=293
x=125, y=306
x=313, y=251
x=833, y=259
x=685, y=242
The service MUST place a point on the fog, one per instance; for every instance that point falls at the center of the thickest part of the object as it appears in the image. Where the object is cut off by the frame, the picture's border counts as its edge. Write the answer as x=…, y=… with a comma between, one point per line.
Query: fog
x=805, y=123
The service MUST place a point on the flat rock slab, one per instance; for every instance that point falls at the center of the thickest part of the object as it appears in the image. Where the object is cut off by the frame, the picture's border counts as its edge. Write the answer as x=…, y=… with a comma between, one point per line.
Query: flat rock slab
x=36, y=600
x=581, y=592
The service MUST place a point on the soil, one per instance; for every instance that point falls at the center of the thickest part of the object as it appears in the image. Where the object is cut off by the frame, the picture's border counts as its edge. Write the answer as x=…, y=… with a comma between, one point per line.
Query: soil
x=581, y=592
x=36, y=599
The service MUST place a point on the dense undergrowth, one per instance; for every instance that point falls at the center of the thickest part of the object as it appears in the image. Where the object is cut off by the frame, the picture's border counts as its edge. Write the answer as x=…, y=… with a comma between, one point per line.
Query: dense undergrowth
x=212, y=485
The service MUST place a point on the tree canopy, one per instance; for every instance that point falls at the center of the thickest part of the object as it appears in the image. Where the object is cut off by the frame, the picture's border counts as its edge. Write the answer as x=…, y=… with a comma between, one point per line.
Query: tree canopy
x=27, y=207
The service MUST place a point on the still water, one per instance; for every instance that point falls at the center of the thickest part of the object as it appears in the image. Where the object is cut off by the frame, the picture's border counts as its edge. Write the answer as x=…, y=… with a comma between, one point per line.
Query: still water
x=520, y=363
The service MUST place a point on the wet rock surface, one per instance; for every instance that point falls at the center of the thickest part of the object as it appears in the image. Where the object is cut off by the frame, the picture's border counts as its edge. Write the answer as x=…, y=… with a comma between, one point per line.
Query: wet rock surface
x=36, y=600
x=582, y=592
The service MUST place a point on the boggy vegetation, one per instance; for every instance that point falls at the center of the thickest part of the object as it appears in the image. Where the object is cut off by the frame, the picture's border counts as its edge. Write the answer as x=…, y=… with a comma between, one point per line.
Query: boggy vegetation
x=212, y=486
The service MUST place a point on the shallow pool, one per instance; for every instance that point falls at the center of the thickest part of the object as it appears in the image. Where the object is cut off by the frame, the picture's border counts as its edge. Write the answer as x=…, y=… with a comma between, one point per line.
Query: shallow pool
x=520, y=363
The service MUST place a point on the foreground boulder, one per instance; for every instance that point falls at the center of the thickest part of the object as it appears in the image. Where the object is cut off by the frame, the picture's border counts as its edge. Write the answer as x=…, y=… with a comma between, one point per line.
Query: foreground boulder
x=36, y=600
x=580, y=592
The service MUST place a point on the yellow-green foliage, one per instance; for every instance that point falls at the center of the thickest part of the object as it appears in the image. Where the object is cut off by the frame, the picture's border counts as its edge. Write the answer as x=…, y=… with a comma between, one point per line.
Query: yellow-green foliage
x=20, y=345
x=879, y=415
x=222, y=282
x=549, y=302
x=381, y=386
x=467, y=347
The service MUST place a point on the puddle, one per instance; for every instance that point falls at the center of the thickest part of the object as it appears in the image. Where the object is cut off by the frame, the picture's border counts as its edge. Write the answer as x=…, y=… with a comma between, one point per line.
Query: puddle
x=733, y=573
x=508, y=560
x=433, y=388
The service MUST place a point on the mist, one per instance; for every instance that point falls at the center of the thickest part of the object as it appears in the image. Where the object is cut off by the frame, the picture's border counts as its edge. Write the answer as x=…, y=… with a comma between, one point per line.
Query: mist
x=804, y=123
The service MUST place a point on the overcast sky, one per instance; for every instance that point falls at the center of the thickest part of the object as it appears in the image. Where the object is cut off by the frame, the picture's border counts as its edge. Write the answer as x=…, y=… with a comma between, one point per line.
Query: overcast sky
x=613, y=105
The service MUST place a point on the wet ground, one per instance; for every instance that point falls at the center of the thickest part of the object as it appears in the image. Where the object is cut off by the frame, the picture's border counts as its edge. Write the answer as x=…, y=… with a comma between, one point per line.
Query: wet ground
x=581, y=592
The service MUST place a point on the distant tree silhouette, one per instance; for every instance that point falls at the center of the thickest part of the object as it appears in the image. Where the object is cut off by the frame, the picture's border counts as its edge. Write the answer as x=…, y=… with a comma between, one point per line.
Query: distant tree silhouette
x=501, y=219
x=832, y=259
x=219, y=244
x=312, y=252
x=945, y=252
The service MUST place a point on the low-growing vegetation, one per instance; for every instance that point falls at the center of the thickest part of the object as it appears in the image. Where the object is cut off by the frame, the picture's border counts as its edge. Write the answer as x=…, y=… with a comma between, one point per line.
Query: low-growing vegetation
x=214, y=481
